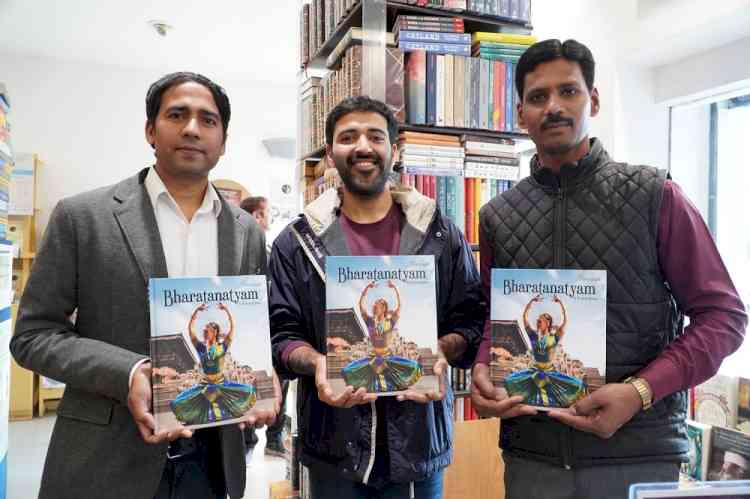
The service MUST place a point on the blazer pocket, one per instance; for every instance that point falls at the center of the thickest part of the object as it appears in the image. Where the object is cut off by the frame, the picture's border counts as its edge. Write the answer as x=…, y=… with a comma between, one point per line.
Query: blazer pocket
x=83, y=406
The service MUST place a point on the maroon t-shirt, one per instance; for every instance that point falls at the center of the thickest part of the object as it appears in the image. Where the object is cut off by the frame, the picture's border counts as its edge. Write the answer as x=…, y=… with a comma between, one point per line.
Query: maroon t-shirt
x=375, y=239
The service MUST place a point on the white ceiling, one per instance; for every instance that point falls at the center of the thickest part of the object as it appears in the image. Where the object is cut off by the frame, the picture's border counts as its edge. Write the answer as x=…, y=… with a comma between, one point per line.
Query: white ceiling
x=250, y=39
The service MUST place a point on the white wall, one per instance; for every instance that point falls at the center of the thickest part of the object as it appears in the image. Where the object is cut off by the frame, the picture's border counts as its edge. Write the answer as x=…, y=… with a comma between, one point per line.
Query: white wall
x=690, y=153
x=87, y=124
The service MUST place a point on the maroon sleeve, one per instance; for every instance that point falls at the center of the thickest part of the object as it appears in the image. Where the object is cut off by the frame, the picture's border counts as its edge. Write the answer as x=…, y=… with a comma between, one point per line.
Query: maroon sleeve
x=691, y=264
x=485, y=275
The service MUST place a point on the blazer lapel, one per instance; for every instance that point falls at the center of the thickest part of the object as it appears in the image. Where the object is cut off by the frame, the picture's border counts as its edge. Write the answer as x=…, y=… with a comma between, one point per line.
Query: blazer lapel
x=231, y=242
x=135, y=215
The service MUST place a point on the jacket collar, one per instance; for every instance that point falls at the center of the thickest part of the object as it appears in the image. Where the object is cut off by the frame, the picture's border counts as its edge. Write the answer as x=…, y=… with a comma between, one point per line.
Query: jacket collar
x=418, y=209
x=135, y=215
x=571, y=173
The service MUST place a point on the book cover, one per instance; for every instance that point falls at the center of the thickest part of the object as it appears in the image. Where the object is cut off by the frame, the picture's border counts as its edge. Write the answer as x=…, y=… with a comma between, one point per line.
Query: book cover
x=481, y=36
x=730, y=455
x=699, y=441
x=381, y=323
x=210, y=350
x=548, y=334
x=716, y=401
x=743, y=405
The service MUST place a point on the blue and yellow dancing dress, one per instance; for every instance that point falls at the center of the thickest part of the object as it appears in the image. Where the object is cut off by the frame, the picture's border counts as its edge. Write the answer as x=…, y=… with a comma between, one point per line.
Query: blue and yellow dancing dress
x=382, y=372
x=541, y=385
x=214, y=398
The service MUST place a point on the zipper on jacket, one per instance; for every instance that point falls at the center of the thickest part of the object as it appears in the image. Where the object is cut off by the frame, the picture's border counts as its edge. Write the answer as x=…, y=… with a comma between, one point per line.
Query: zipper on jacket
x=373, y=435
x=558, y=229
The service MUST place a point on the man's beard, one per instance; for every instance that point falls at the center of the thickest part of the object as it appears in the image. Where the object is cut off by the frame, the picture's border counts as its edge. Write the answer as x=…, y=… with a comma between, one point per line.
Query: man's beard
x=374, y=187
x=559, y=149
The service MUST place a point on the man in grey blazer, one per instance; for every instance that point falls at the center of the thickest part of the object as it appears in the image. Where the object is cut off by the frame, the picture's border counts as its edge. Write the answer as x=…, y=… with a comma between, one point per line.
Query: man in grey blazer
x=98, y=252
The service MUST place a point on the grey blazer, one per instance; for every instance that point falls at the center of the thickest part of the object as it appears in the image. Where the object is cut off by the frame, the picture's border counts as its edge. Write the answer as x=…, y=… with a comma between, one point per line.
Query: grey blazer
x=97, y=254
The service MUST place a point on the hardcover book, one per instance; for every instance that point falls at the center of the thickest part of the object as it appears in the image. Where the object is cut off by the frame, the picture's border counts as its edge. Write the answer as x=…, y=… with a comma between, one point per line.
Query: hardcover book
x=730, y=455
x=381, y=323
x=699, y=440
x=743, y=406
x=716, y=401
x=548, y=334
x=210, y=350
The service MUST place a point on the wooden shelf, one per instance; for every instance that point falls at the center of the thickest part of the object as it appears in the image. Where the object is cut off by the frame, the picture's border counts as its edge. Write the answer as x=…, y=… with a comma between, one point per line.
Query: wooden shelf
x=316, y=155
x=461, y=393
x=472, y=22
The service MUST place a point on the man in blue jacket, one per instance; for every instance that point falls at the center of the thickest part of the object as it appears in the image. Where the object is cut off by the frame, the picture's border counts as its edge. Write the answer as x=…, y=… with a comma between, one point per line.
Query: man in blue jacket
x=354, y=445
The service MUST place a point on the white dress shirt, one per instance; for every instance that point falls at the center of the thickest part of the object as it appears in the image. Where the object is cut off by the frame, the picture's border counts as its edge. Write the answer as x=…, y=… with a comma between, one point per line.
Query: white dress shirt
x=191, y=248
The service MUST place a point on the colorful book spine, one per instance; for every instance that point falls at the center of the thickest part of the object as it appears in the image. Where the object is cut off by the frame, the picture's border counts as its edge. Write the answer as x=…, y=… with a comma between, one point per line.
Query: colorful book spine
x=431, y=76
x=509, y=97
x=416, y=87
x=469, y=210
x=434, y=37
x=439, y=48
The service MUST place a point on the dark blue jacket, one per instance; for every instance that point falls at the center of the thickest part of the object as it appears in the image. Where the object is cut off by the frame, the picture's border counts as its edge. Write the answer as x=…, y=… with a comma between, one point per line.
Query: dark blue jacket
x=343, y=440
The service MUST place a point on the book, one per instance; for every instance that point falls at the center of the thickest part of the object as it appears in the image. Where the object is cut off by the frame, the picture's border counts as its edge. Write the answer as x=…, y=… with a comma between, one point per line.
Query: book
x=381, y=323
x=482, y=36
x=680, y=490
x=439, y=48
x=716, y=401
x=210, y=350
x=416, y=87
x=699, y=441
x=560, y=317
x=743, y=405
x=730, y=455
x=353, y=37
x=433, y=37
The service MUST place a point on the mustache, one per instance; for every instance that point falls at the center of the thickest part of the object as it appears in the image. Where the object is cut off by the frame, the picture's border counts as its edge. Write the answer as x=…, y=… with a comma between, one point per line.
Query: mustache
x=556, y=119
x=374, y=157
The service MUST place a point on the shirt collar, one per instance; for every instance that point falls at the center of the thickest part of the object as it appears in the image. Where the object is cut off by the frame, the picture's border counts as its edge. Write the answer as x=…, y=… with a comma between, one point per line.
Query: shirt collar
x=157, y=190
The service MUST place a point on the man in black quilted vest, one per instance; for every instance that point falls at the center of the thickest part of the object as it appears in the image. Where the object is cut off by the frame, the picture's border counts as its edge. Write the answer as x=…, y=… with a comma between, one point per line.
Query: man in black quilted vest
x=579, y=209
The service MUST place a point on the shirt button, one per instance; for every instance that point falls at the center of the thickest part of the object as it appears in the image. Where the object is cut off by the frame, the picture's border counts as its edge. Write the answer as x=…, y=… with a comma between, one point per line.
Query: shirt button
x=438, y=234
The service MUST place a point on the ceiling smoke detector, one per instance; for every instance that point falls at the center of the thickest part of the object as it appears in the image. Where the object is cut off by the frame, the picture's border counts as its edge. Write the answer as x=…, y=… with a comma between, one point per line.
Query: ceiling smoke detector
x=161, y=27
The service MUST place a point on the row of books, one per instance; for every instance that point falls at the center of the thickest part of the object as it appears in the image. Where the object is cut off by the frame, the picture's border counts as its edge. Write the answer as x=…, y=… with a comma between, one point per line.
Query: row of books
x=717, y=453
x=515, y=10
x=722, y=401
x=318, y=21
x=433, y=34
x=465, y=92
x=320, y=95
x=6, y=162
x=458, y=198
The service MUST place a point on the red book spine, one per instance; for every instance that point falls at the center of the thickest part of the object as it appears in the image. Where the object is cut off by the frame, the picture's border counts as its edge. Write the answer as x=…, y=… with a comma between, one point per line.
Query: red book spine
x=469, y=210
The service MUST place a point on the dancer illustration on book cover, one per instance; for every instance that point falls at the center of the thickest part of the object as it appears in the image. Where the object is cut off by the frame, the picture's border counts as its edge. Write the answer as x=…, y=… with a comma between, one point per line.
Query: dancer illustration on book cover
x=215, y=398
x=382, y=371
x=541, y=384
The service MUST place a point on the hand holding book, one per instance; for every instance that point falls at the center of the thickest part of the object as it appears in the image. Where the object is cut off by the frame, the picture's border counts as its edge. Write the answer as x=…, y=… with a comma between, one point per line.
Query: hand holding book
x=494, y=402
x=346, y=399
x=604, y=411
x=139, y=404
x=439, y=369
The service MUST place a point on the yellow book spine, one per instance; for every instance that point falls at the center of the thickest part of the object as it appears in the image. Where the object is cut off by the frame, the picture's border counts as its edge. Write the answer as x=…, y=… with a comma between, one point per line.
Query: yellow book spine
x=483, y=36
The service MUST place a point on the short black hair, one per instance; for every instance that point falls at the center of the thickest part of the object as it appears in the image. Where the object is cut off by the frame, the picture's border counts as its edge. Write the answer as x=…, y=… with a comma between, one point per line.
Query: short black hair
x=549, y=50
x=253, y=203
x=157, y=89
x=361, y=103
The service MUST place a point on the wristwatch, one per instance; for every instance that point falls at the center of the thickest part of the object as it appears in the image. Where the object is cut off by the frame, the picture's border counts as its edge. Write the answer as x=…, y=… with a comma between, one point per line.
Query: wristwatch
x=643, y=389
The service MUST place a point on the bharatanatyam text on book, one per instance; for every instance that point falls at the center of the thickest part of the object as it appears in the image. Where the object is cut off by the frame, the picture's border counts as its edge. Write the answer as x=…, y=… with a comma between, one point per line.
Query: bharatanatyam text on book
x=381, y=323
x=548, y=334
x=210, y=350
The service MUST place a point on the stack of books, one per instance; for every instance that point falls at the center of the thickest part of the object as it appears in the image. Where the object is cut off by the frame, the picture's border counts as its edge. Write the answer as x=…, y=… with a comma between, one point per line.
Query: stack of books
x=507, y=47
x=441, y=35
x=318, y=21
x=490, y=158
x=515, y=10
x=431, y=154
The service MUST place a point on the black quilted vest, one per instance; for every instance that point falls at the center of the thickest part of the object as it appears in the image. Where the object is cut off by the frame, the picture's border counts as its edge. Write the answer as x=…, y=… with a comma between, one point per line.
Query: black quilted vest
x=597, y=214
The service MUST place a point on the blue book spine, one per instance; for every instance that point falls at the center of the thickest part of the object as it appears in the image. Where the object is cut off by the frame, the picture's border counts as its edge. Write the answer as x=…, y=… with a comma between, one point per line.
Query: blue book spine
x=475, y=86
x=450, y=198
x=431, y=78
x=509, y=92
x=433, y=37
x=439, y=48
